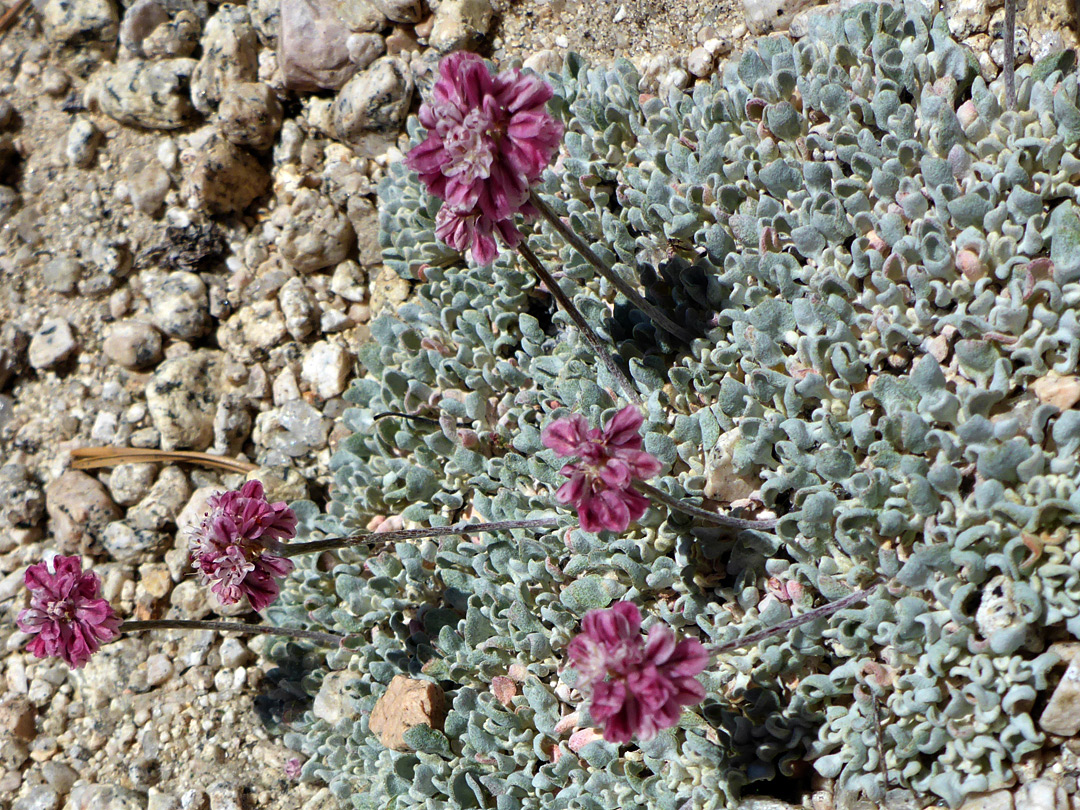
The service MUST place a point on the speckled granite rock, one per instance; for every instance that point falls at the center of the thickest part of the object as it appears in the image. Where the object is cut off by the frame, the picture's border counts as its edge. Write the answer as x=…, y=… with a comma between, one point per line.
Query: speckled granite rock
x=220, y=177
x=182, y=398
x=316, y=234
x=82, y=23
x=147, y=94
x=22, y=503
x=374, y=102
x=80, y=508
x=140, y=19
x=250, y=115
x=133, y=344
x=180, y=306
x=229, y=55
x=52, y=344
x=460, y=24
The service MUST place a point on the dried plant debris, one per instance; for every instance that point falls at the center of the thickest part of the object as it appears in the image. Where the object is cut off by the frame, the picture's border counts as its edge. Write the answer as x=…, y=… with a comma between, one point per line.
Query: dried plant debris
x=884, y=261
x=194, y=247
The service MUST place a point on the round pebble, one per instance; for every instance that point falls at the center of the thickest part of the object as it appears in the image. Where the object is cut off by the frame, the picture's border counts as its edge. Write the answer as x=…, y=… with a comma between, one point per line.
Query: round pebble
x=22, y=502
x=133, y=344
x=82, y=142
x=62, y=274
x=181, y=307
x=51, y=344
x=158, y=669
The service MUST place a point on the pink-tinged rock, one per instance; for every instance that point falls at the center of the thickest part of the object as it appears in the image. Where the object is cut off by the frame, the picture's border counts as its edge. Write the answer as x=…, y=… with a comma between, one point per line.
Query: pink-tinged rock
x=313, y=48
x=139, y=21
x=79, y=509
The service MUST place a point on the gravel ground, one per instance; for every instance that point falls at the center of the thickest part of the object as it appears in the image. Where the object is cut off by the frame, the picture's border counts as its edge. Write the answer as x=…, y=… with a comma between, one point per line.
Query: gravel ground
x=161, y=287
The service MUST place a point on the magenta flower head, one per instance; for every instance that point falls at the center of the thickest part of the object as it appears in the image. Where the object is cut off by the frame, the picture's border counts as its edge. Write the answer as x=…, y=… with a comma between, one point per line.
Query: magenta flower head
x=489, y=139
x=609, y=462
x=232, y=549
x=638, y=686
x=67, y=616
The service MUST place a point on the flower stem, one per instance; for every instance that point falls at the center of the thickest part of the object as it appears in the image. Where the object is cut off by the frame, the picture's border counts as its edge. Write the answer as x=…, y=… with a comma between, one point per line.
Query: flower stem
x=582, y=325
x=331, y=543
x=658, y=316
x=330, y=639
x=1009, y=34
x=792, y=623
x=696, y=511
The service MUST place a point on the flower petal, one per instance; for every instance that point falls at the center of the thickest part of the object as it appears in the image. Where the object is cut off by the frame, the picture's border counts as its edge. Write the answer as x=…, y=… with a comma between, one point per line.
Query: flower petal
x=565, y=434
x=623, y=431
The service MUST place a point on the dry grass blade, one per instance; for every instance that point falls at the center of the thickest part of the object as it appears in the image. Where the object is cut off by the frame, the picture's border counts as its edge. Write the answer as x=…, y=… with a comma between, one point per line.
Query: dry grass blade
x=9, y=16
x=90, y=458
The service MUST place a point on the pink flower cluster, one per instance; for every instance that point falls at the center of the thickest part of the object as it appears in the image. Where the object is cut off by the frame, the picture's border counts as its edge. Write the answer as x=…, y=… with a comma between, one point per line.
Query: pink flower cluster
x=232, y=547
x=638, y=686
x=489, y=139
x=67, y=616
x=601, y=481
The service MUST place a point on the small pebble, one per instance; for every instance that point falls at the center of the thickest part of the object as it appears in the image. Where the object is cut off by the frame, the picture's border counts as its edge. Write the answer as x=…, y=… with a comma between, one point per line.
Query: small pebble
x=700, y=62
x=133, y=344
x=119, y=303
x=104, y=428
x=54, y=81
x=158, y=669
x=333, y=320
x=219, y=176
x=181, y=307
x=87, y=23
x=349, y=281
x=313, y=52
x=39, y=799
x=375, y=101
x=80, y=508
x=177, y=38
x=182, y=399
x=104, y=797
x=156, y=800
x=316, y=234
x=460, y=24
x=82, y=143
x=51, y=344
x=293, y=430
x=126, y=543
x=141, y=18
x=250, y=115
x=62, y=274
x=326, y=369
x=149, y=187
x=229, y=56
x=59, y=776
x=130, y=483
x=285, y=388
x=22, y=502
x=298, y=307
x=147, y=94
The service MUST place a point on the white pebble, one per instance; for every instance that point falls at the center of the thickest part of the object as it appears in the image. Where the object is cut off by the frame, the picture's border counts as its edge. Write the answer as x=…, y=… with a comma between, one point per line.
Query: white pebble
x=82, y=142
x=104, y=429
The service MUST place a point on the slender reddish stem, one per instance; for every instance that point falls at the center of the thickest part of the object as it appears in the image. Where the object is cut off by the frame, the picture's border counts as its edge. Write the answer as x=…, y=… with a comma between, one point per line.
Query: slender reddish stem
x=331, y=543
x=658, y=316
x=587, y=332
x=791, y=624
x=704, y=514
